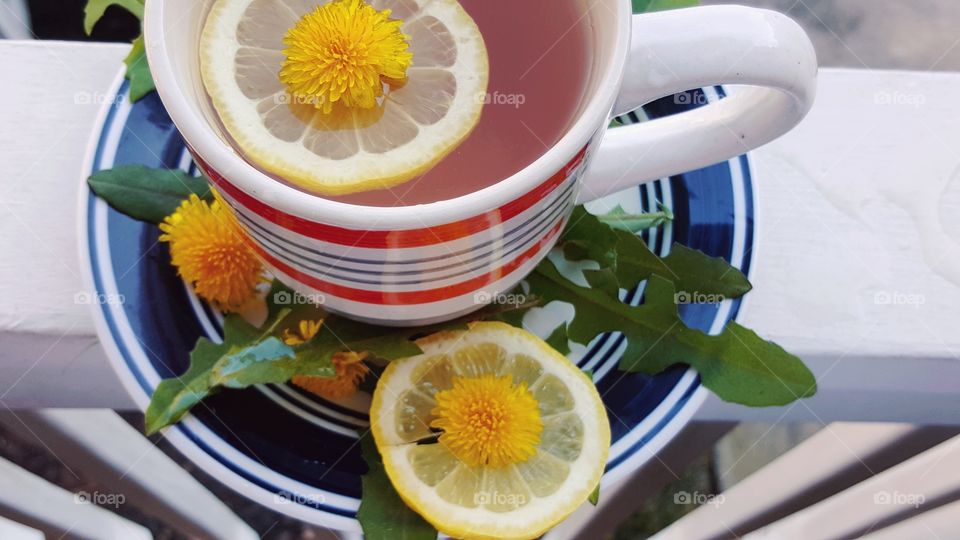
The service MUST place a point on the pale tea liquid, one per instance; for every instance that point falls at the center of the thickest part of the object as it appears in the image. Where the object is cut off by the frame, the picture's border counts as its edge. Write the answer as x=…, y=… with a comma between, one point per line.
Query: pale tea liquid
x=540, y=61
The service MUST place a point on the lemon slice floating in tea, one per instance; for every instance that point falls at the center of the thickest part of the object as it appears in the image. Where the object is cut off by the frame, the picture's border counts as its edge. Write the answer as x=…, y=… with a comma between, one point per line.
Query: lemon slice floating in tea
x=490, y=432
x=345, y=118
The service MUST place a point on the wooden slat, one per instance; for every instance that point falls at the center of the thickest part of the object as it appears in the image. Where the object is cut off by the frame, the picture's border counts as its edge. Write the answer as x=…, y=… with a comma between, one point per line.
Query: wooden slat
x=11, y=530
x=835, y=458
x=901, y=492
x=104, y=448
x=937, y=524
x=32, y=500
x=50, y=352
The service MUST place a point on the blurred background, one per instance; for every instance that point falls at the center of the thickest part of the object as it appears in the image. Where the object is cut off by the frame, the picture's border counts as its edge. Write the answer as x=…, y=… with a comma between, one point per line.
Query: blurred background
x=863, y=34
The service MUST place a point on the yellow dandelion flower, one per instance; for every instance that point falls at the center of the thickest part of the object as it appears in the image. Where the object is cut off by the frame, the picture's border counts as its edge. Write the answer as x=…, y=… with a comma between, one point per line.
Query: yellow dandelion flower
x=488, y=420
x=350, y=373
x=344, y=51
x=210, y=252
x=304, y=332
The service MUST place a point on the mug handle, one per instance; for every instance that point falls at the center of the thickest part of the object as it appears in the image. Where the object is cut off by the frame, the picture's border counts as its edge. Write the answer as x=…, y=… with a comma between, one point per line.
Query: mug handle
x=676, y=51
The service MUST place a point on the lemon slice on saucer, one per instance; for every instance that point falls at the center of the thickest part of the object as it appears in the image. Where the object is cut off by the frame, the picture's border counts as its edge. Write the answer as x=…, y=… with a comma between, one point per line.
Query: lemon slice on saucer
x=490, y=433
x=416, y=122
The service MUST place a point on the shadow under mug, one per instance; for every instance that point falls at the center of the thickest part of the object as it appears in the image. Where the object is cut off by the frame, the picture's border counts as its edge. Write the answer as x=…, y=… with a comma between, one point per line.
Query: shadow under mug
x=421, y=264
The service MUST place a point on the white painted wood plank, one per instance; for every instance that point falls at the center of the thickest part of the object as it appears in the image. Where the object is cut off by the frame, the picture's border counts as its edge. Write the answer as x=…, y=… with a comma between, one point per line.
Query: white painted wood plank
x=48, y=116
x=50, y=352
x=897, y=493
x=105, y=448
x=937, y=524
x=818, y=269
x=857, y=266
x=11, y=530
x=836, y=457
x=27, y=498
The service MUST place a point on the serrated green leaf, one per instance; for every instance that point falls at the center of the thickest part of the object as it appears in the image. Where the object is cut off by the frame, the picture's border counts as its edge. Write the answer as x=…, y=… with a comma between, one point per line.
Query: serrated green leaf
x=595, y=496
x=138, y=71
x=646, y=6
x=250, y=356
x=174, y=397
x=620, y=219
x=383, y=515
x=144, y=193
x=737, y=364
x=214, y=365
x=558, y=340
x=94, y=9
x=701, y=277
x=586, y=238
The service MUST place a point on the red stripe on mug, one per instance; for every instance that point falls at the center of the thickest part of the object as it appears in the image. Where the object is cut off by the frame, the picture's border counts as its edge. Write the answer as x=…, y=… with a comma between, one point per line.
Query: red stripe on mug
x=407, y=238
x=409, y=297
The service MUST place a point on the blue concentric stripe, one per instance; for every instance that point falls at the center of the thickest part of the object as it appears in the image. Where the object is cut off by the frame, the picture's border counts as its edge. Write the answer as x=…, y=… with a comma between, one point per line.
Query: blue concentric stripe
x=297, y=453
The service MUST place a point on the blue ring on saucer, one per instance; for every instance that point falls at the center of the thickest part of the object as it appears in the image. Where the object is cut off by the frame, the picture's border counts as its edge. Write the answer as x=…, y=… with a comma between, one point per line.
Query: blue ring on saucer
x=259, y=433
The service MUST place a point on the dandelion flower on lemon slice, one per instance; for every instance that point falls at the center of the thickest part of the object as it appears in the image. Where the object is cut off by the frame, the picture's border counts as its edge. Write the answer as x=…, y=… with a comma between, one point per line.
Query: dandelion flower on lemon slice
x=488, y=420
x=490, y=433
x=210, y=252
x=342, y=52
x=347, y=96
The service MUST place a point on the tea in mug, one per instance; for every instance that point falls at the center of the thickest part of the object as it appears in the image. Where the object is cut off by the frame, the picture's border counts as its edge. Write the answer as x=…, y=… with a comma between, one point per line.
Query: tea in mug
x=395, y=102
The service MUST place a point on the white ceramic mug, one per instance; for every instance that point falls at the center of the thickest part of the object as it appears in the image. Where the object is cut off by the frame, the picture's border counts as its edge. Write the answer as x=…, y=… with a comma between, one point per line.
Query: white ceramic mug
x=419, y=264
